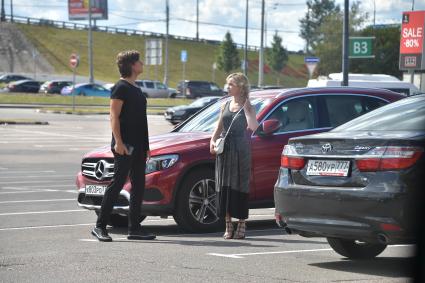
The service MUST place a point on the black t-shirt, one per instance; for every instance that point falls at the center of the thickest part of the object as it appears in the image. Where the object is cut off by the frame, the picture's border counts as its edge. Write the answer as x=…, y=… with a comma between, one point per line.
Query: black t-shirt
x=133, y=119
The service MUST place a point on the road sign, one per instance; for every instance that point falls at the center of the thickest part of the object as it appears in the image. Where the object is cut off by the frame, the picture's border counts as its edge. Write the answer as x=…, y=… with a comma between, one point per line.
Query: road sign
x=183, y=56
x=412, y=42
x=153, y=51
x=74, y=60
x=361, y=47
x=311, y=64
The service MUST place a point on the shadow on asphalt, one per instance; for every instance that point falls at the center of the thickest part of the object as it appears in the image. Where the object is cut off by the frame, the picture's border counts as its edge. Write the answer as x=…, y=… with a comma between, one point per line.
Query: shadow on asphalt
x=381, y=266
x=256, y=232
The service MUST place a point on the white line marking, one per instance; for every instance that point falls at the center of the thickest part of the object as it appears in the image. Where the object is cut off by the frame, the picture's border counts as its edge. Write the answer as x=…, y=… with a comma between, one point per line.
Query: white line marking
x=281, y=252
x=33, y=172
x=70, y=225
x=38, y=176
x=24, y=182
x=57, y=135
x=43, y=212
x=38, y=186
x=37, y=200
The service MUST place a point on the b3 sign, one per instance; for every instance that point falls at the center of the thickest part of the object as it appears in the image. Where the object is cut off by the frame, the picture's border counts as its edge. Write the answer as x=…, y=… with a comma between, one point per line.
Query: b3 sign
x=412, y=47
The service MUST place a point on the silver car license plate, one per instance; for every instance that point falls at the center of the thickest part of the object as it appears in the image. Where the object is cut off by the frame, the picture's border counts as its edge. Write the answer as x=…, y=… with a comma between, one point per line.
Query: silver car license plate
x=96, y=190
x=328, y=168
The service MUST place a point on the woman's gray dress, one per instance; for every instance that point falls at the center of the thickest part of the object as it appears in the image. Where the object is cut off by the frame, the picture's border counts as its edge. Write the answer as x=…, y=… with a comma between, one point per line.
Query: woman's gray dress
x=233, y=166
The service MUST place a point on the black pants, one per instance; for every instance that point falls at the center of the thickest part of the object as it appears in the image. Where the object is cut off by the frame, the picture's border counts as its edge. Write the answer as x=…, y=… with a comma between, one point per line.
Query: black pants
x=125, y=165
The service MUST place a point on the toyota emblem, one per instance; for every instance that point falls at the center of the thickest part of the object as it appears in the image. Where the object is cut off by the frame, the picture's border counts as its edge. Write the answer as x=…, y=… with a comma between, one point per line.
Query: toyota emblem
x=326, y=147
x=99, y=169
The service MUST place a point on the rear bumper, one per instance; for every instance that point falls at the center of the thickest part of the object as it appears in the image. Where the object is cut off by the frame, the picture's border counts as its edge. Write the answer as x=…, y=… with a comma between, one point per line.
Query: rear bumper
x=344, y=213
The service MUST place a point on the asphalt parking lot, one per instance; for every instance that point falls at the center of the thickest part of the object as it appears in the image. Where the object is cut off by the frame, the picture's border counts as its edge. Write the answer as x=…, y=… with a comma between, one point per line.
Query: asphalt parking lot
x=45, y=236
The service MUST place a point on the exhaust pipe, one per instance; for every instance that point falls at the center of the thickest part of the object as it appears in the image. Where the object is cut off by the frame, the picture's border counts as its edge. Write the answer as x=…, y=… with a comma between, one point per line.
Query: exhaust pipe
x=383, y=239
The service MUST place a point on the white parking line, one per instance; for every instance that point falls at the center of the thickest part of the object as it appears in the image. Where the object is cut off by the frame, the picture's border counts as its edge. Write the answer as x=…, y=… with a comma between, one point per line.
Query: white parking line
x=282, y=252
x=38, y=176
x=36, y=186
x=23, y=171
x=266, y=253
x=69, y=225
x=36, y=200
x=43, y=212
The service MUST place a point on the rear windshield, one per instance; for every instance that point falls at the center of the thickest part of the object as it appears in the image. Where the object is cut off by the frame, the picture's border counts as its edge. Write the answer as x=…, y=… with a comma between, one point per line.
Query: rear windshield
x=407, y=114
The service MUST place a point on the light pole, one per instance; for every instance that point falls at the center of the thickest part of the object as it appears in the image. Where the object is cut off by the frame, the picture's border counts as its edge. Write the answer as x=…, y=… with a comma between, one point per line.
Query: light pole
x=2, y=16
x=245, y=54
x=197, y=20
x=261, y=59
x=90, y=43
x=345, y=67
x=167, y=14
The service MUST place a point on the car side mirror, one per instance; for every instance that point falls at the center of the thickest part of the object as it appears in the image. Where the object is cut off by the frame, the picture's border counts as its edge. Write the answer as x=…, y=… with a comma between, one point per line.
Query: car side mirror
x=269, y=127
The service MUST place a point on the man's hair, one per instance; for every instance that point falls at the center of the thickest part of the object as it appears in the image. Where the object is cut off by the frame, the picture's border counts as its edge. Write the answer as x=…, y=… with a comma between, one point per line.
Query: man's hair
x=125, y=60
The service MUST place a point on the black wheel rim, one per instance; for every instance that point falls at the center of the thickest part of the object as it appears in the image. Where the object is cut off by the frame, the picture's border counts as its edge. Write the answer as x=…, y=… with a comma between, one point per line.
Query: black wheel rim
x=203, y=202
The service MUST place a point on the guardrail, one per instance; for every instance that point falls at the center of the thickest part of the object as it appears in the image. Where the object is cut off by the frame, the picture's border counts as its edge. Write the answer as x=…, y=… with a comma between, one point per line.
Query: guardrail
x=116, y=30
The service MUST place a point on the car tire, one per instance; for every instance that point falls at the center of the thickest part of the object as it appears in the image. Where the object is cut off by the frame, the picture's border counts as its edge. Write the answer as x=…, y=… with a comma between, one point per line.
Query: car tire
x=120, y=220
x=195, y=202
x=82, y=93
x=173, y=95
x=355, y=250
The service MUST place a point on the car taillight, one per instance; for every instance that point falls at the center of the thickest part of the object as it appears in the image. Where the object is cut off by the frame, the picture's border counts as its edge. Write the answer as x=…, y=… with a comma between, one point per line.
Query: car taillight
x=289, y=160
x=389, y=158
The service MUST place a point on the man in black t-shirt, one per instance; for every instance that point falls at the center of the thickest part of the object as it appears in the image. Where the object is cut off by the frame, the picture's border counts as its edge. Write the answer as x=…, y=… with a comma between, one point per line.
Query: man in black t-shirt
x=130, y=146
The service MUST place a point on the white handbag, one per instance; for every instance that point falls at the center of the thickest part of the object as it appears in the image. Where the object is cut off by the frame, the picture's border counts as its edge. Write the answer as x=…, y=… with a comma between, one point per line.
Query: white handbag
x=219, y=143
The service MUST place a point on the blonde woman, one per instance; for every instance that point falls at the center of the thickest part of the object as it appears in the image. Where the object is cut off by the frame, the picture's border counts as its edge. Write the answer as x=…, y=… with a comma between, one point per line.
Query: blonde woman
x=233, y=165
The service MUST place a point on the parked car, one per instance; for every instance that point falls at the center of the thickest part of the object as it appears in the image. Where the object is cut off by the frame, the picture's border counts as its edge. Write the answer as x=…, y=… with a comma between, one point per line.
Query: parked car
x=195, y=89
x=23, y=86
x=7, y=78
x=359, y=184
x=180, y=173
x=155, y=89
x=86, y=89
x=180, y=113
x=54, y=86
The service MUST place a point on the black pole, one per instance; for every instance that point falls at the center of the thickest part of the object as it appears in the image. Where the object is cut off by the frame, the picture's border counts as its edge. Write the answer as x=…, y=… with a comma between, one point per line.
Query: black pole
x=197, y=19
x=245, y=62
x=3, y=16
x=345, y=67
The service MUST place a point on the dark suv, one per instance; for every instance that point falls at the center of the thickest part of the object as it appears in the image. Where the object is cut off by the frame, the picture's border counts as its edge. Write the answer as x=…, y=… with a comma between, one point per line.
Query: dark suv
x=195, y=89
x=180, y=173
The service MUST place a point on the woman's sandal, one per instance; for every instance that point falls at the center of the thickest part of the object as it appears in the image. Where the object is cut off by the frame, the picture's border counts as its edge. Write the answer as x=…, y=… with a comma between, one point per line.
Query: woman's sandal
x=229, y=230
x=240, y=230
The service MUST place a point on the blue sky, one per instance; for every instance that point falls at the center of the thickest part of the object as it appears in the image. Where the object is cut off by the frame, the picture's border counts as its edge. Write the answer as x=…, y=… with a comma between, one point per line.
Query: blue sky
x=216, y=16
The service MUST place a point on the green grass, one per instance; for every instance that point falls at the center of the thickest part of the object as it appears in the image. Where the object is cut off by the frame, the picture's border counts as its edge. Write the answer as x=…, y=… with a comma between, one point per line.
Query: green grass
x=24, y=98
x=57, y=44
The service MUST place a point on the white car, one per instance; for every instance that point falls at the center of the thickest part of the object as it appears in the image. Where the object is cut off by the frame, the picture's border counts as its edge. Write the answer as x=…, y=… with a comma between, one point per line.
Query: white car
x=156, y=89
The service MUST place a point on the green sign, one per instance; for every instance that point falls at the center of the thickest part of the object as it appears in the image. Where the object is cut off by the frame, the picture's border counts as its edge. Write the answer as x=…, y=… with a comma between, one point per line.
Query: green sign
x=361, y=47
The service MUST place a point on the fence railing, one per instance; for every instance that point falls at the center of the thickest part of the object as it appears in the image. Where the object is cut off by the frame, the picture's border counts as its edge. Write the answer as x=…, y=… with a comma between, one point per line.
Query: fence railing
x=116, y=30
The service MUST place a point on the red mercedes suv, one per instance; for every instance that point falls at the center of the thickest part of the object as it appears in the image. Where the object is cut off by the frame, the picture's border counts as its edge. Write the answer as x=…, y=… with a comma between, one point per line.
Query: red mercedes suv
x=180, y=173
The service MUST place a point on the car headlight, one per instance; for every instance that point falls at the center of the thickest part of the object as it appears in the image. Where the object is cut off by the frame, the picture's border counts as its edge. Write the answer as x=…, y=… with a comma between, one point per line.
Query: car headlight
x=179, y=112
x=161, y=162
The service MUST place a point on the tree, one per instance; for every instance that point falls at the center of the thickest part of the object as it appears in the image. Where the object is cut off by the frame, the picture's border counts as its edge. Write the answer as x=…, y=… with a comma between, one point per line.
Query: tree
x=277, y=56
x=228, y=57
x=329, y=48
x=386, y=50
x=317, y=12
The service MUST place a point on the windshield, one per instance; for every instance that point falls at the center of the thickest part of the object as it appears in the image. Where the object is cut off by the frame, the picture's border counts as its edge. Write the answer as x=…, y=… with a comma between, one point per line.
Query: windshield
x=200, y=102
x=206, y=120
x=405, y=115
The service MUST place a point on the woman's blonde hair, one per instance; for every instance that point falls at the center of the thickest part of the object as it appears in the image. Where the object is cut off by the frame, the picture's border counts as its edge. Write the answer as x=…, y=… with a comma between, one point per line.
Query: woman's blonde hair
x=241, y=81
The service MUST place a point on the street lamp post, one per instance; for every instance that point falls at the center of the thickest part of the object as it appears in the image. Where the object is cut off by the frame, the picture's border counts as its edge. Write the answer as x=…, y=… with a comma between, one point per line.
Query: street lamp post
x=245, y=54
x=261, y=59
